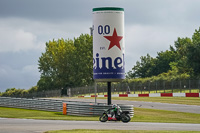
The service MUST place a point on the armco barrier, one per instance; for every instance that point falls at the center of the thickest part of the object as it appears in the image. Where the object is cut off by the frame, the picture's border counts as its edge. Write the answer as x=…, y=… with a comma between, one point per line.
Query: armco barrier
x=92, y=109
x=36, y=104
x=72, y=107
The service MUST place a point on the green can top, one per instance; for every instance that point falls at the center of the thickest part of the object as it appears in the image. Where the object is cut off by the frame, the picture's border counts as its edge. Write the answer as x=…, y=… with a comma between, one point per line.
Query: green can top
x=108, y=8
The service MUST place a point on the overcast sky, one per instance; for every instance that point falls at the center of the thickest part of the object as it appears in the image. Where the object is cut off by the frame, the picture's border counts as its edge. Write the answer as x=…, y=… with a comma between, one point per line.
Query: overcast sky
x=151, y=26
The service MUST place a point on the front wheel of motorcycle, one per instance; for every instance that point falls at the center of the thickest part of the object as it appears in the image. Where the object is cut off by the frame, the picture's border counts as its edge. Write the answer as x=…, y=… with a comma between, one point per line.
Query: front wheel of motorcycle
x=125, y=118
x=103, y=118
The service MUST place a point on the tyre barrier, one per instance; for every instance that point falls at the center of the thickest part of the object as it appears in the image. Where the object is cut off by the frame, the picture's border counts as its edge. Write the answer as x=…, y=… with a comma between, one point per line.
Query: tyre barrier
x=72, y=107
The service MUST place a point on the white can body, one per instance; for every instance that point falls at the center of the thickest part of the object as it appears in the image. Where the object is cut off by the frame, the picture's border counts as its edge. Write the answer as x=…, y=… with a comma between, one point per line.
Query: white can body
x=108, y=44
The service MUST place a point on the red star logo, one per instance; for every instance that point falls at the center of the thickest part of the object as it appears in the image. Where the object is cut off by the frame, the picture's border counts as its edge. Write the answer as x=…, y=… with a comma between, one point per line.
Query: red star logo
x=114, y=40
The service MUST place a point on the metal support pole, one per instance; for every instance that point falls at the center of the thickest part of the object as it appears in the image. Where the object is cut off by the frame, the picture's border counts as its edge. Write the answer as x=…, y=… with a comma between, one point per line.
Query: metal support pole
x=172, y=86
x=189, y=86
x=95, y=89
x=149, y=87
x=109, y=93
x=164, y=85
x=156, y=86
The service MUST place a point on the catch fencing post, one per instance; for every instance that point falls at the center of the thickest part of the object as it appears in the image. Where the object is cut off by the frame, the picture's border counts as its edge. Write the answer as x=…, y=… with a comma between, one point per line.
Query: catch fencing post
x=95, y=90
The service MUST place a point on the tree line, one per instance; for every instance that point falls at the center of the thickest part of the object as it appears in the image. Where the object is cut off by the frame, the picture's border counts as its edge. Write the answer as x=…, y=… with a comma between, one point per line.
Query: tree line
x=13, y=92
x=181, y=61
x=65, y=63
x=68, y=63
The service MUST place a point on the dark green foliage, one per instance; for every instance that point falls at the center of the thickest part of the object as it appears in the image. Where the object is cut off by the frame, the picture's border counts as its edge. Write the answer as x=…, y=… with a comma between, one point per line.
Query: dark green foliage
x=66, y=63
x=193, y=55
x=182, y=59
x=13, y=92
x=143, y=69
x=149, y=66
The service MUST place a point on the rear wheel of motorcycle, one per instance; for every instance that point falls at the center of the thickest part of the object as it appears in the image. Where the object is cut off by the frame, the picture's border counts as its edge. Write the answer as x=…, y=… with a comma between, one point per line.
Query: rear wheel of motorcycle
x=103, y=118
x=125, y=118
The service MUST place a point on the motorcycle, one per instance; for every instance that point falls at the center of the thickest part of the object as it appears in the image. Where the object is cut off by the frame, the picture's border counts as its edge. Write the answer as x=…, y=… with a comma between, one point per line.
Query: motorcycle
x=121, y=116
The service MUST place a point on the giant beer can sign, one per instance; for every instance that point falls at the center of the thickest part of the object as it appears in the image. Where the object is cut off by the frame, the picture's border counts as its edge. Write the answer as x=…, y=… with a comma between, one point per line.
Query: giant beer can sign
x=108, y=44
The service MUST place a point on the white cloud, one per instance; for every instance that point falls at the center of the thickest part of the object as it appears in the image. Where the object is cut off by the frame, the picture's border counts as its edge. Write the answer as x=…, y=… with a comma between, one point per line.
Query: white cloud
x=15, y=40
x=18, y=34
x=23, y=78
x=3, y=71
x=23, y=40
x=29, y=69
x=143, y=39
x=147, y=39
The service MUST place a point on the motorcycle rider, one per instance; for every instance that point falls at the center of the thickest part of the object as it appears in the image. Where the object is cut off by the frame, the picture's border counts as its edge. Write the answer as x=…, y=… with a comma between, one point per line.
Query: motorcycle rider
x=114, y=111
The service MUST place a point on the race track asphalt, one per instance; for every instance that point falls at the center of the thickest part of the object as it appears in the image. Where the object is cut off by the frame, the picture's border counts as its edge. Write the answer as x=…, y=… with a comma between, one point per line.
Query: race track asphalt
x=8, y=125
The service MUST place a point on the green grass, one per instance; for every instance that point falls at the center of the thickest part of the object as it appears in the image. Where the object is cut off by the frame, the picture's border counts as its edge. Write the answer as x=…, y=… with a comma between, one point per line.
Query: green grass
x=115, y=131
x=147, y=92
x=36, y=114
x=163, y=116
x=173, y=100
x=141, y=115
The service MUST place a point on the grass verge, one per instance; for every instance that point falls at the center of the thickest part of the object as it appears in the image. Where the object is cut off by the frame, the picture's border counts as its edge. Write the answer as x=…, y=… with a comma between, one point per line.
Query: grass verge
x=140, y=115
x=115, y=131
x=173, y=100
x=164, y=116
x=43, y=115
x=147, y=92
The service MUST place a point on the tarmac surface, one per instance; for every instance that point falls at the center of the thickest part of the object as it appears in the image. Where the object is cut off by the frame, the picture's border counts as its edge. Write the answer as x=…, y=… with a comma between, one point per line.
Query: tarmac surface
x=8, y=125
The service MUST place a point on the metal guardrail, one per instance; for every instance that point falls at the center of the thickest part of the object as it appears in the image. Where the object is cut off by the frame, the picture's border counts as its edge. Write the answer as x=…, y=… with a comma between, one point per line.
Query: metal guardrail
x=94, y=110
x=36, y=104
x=73, y=108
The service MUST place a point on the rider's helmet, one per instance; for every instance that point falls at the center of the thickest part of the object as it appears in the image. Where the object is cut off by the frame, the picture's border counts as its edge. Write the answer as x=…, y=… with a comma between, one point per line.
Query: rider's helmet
x=114, y=106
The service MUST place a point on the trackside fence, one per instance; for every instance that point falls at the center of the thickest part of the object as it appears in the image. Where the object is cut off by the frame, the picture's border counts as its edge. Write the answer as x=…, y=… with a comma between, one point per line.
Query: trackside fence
x=136, y=87
x=160, y=86
x=72, y=107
